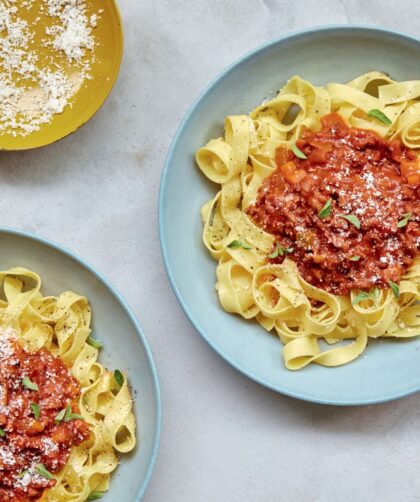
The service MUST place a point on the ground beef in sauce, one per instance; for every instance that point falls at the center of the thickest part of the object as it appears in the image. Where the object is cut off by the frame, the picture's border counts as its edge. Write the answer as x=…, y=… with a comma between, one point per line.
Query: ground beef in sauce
x=361, y=174
x=26, y=441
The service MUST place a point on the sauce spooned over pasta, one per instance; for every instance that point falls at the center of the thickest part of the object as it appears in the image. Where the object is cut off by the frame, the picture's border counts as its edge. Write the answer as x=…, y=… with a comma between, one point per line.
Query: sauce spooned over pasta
x=369, y=232
x=39, y=420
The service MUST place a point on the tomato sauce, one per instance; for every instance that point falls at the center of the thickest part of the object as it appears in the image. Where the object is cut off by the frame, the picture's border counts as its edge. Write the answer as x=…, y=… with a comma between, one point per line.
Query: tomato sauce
x=36, y=435
x=348, y=174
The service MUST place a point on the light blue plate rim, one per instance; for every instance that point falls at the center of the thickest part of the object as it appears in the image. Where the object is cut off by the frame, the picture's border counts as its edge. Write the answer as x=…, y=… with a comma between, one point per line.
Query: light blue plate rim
x=139, y=330
x=163, y=186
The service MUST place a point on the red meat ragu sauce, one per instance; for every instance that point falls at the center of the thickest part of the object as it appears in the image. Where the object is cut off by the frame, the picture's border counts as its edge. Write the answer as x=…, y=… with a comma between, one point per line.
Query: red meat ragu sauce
x=27, y=443
x=361, y=174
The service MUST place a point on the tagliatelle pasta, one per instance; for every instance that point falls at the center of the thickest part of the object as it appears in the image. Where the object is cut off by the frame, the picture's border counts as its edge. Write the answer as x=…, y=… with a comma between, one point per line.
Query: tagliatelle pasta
x=61, y=326
x=255, y=282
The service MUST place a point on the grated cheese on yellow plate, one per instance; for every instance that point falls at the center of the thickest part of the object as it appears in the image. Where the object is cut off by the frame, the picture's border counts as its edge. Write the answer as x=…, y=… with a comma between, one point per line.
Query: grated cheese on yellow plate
x=53, y=52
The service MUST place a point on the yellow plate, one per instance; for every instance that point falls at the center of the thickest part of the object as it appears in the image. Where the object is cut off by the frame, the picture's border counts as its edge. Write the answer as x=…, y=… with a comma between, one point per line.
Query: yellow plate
x=92, y=94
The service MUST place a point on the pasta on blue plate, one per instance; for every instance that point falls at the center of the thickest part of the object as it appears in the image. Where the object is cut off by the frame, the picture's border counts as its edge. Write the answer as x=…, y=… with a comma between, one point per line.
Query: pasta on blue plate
x=261, y=277
x=56, y=330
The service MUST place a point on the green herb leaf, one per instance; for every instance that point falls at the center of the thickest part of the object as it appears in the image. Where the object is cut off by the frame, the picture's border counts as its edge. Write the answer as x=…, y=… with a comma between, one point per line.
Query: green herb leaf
x=23, y=474
x=354, y=258
x=36, y=410
x=299, y=154
x=377, y=114
x=351, y=218
x=96, y=495
x=374, y=293
x=361, y=296
x=326, y=210
x=119, y=377
x=239, y=244
x=2, y=433
x=42, y=471
x=280, y=251
x=395, y=289
x=26, y=382
x=406, y=218
x=60, y=416
x=94, y=342
x=275, y=253
x=74, y=416
x=69, y=415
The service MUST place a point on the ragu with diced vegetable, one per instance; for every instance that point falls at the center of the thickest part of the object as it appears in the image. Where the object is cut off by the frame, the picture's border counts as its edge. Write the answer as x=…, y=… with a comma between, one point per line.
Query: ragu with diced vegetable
x=39, y=420
x=344, y=205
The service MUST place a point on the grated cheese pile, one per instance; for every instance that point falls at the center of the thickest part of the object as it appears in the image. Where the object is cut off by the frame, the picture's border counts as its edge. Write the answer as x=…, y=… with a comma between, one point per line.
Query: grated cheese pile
x=73, y=33
x=34, y=88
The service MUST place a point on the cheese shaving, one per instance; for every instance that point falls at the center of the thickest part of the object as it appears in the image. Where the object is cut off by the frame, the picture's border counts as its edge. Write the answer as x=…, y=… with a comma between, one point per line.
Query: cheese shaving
x=34, y=88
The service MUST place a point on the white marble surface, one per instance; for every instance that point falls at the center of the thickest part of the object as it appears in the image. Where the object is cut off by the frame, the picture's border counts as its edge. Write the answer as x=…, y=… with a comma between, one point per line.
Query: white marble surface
x=224, y=437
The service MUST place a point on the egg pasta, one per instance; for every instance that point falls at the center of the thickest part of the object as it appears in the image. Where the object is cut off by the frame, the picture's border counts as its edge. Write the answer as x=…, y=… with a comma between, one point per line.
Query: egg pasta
x=249, y=282
x=61, y=325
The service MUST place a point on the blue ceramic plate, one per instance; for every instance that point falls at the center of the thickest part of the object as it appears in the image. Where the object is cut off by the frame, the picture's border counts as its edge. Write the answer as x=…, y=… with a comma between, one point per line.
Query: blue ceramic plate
x=125, y=346
x=387, y=370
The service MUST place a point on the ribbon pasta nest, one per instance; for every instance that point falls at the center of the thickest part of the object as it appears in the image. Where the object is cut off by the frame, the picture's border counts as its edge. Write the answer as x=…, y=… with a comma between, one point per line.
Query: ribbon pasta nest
x=262, y=279
x=55, y=331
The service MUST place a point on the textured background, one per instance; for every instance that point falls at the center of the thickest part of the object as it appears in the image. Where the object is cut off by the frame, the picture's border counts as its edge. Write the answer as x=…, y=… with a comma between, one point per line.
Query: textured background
x=224, y=437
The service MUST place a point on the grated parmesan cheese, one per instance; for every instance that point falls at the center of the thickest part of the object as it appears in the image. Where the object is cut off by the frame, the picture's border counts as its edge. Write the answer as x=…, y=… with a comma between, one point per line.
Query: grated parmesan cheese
x=49, y=445
x=32, y=90
x=74, y=33
x=7, y=458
